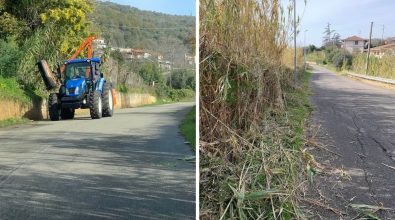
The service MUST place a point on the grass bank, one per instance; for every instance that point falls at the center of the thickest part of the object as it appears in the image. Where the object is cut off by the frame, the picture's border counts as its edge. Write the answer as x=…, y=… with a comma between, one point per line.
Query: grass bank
x=10, y=89
x=188, y=127
x=13, y=121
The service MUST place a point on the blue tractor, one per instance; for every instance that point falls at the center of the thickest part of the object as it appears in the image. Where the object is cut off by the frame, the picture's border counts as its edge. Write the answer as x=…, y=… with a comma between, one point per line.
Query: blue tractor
x=82, y=85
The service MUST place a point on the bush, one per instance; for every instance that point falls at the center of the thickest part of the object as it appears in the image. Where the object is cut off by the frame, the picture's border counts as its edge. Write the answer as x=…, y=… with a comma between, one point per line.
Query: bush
x=181, y=79
x=191, y=82
x=151, y=72
x=181, y=94
x=123, y=88
x=10, y=89
x=342, y=59
x=162, y=91
x=9, y=57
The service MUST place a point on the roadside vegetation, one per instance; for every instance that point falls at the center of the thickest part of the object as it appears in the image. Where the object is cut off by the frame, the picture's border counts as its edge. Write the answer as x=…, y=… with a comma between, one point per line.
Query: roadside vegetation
x=12, y=121
x=339, y=59
x=381, y=67
x=34, y=30
x=251, y=113
x=11, y=89
x=130, y=76
x=188, y=127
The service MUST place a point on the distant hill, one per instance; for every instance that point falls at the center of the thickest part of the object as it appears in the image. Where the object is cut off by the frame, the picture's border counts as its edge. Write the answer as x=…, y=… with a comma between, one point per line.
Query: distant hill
x=125, y=26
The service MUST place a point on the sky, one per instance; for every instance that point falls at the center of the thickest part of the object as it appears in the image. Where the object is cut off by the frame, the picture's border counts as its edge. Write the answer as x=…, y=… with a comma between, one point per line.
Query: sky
x=347, y=17
x=174, y=7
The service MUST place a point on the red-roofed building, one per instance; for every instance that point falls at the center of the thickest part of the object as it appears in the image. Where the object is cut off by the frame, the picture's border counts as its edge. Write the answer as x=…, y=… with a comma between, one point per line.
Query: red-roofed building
x=354, y=44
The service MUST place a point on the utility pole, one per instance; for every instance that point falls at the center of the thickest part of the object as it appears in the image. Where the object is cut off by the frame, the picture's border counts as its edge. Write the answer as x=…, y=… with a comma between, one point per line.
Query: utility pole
x=370, y=41
x=304, y=49
x=295, y=42
x=171, y=69
x=382, y=35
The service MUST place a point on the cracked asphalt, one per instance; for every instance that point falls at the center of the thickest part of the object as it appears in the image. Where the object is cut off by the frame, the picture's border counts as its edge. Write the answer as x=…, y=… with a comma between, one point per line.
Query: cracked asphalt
x=130, y=166
x=357, y=121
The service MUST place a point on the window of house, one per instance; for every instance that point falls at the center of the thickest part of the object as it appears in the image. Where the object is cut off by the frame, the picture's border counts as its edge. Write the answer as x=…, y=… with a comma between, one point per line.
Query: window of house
x=356, y=42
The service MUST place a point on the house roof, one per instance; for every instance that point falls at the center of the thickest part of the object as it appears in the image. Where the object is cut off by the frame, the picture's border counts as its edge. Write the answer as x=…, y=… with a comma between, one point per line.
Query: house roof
x=353, y=38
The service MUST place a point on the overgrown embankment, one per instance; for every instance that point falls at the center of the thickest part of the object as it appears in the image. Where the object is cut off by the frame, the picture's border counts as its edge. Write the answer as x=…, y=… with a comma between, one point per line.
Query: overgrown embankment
x=251, y=116
x=16, y=103
x=339, y=59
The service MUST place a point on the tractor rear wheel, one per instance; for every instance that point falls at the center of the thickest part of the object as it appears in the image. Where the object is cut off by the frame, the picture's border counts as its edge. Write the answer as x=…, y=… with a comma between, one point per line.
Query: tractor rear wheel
x=67, y=113
x=53, y=107
x=108, y=105
x=95, y=105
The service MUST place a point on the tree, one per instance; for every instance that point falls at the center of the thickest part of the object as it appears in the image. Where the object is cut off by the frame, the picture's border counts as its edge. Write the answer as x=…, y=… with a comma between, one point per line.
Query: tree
x=9, y=53
x=336, y=41
x=150, y=72
x=331, y=37
x=71, y=19
x=178, y=79
x=311, y=48
x=181, y=79
x=342, y=58
x=44, y=29
x=327, y=35
x=24, y=17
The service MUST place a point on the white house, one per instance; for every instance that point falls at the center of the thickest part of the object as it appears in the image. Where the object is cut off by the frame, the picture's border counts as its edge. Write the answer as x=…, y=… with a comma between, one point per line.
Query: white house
x=354, y=44
x=99, y=43
x=147, y=55
x=189, y=59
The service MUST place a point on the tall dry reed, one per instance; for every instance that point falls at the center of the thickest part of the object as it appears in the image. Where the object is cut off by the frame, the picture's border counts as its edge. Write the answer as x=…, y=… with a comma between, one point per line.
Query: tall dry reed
x=241, y=47
x=246, y=170
x=381, y=67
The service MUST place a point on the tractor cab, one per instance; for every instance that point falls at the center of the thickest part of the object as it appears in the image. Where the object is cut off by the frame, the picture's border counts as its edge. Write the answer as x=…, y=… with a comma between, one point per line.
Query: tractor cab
x=82, y=68
x=80, y=75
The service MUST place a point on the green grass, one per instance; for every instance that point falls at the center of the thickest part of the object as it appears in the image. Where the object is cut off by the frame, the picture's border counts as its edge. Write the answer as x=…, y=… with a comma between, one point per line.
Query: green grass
x=298, y=109
x=188, y=128
x=10, y=89
x=12, y=121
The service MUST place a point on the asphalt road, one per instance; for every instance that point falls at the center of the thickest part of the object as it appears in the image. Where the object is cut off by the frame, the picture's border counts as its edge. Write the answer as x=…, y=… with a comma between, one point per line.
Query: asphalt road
x=124, y=167
x=358, y=120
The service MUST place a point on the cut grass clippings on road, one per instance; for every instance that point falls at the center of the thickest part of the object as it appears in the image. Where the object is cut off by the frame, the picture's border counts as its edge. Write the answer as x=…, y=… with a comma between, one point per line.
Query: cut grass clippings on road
x=12, y=121
x=188, y=127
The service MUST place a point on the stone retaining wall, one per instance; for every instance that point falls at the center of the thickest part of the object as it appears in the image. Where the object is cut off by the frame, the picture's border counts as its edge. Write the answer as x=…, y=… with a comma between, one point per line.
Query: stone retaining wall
x=38, y=109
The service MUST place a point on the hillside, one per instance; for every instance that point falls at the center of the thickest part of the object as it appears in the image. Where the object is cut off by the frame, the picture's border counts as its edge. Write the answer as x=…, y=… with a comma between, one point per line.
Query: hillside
x=125, y=26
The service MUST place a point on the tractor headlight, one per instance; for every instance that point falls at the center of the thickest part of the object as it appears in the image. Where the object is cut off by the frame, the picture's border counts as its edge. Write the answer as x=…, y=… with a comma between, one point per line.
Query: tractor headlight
x=77, y=90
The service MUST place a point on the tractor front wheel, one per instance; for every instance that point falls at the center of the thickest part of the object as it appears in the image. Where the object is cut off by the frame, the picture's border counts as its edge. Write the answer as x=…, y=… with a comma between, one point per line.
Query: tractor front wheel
x=95, y=105
x=53, y=107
